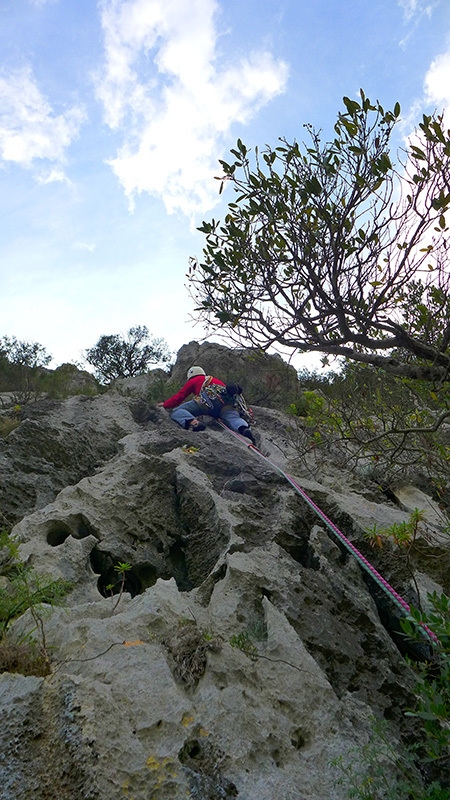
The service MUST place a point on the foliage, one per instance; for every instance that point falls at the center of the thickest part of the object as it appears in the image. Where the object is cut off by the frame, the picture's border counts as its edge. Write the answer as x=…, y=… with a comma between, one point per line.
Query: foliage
x=8, y=424
x=402, y=534
x=332, y=248
x=408, y=542
x=25, y=589
x=381, y=771
x=25, y=658
x=22, y=365
x=9, y=547
x=242, y=641
x=68, y=380
x=389, y=424
x=433, y=688
x=309, y=405
x=160, y=389
x=25, y=354
x=115, y=356
x=118, y=587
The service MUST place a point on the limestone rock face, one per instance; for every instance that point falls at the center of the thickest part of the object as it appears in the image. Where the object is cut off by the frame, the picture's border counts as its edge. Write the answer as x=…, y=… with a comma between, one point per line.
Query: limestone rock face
x=242, y=652
x=56, y=444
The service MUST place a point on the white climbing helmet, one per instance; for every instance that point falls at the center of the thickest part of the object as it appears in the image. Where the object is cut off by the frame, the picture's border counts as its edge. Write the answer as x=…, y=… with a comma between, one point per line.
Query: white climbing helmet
x=195, y=371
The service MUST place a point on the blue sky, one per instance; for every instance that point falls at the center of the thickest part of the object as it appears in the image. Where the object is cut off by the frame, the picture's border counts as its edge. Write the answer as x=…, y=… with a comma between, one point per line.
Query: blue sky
x=113, y=116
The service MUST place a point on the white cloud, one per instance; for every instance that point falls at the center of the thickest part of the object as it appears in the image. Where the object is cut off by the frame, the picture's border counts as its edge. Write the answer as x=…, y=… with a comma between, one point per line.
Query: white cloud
x=413, y=8
x=84, y=246
x=54, y=175
x=29, y=129
x=437, y=81
x=163, y=89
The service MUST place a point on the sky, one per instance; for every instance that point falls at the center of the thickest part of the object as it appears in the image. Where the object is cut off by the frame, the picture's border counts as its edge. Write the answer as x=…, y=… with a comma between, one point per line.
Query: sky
x=114, y=115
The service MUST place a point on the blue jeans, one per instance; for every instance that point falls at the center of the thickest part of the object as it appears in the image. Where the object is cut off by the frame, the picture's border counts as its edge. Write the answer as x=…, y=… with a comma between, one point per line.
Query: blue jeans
x=190, y=410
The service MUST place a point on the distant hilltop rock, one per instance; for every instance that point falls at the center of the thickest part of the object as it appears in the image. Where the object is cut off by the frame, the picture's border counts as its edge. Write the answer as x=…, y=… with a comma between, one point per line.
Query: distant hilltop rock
x=240, y=651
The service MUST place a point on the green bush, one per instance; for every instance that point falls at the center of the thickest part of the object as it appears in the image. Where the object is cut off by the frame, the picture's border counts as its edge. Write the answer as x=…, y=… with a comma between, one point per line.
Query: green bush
x=383, y=769
x=390, y=425
x=24, y=589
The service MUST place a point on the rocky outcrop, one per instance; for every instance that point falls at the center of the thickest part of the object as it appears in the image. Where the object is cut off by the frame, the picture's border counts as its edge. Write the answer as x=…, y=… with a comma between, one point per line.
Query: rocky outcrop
x=247, y=651
x=57, y=444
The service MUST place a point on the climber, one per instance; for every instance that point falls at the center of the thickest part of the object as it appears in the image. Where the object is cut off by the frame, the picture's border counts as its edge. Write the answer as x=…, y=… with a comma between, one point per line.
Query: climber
x=211, y=397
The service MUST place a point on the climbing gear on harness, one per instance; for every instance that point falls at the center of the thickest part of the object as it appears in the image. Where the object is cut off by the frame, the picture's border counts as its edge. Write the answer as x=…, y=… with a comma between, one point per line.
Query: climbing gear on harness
x=244, y=411
x=364, y=563
x=215, y=397
x=193, y=371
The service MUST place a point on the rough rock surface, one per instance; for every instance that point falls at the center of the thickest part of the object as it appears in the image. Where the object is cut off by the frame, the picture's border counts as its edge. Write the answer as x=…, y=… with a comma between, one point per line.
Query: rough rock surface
x=149, y=695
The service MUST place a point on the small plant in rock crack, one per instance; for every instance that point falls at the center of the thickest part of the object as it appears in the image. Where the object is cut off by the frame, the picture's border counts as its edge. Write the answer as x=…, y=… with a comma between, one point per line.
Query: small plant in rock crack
x=405, y=540
x=402, y=534
x=243, y=642
x=121, y=569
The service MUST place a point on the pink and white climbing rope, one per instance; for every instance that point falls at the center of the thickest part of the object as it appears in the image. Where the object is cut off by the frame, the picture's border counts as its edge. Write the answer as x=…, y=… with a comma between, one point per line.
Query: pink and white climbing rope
x=362, y=560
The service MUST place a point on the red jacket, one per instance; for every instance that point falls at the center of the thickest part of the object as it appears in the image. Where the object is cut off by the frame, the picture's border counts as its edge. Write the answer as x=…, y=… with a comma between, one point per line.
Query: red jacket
x=193, y=386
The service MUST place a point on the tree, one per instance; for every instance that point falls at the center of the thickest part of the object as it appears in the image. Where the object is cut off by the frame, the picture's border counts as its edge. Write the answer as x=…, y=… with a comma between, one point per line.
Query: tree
x=24, y=354
x=21, y=369
x=331, y=248
x=117, y=357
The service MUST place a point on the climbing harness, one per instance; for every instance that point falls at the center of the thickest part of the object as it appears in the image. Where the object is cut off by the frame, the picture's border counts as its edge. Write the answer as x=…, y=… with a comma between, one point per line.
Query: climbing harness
x=215, y=397
x=365, y=564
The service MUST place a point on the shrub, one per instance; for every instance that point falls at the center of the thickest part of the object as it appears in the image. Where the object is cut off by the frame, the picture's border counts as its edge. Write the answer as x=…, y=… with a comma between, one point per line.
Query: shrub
x=382, y=769
x=24, y=589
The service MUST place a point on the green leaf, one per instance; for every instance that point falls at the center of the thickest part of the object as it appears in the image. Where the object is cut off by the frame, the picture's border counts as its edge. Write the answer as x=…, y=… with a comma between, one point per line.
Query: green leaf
x=241, y=147
x=351, y=105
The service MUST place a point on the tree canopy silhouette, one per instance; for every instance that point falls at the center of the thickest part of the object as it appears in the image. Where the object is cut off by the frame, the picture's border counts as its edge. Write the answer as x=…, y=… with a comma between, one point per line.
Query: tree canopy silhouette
x=115, y=356
x=331, y=247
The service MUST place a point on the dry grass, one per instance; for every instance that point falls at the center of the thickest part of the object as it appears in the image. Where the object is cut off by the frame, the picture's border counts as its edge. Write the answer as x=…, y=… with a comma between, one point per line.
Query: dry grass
x=25, y=658
x=188, y=648
x=8, y=424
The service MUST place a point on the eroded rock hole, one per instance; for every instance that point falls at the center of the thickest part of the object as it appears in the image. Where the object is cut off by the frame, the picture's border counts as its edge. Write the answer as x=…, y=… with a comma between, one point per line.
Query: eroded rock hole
x=205, y=761
x=299, y=548
x=77, y=526
x=193, y=750
x=300, y=739
x=58, y=534
x=112, y=581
